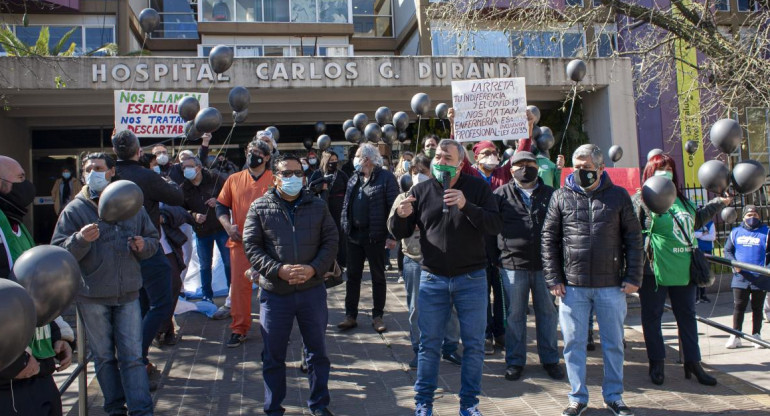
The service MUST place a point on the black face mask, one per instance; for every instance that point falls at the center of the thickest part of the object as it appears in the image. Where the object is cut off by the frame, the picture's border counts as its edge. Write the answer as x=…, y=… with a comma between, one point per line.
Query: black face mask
x=331, y=167
x=527, y=174
x=14, y=204
x=585, y=178
x=254, y=161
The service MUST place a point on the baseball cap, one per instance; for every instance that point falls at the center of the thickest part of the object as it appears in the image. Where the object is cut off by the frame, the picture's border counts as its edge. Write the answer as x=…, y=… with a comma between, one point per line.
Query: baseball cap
x=523, y=156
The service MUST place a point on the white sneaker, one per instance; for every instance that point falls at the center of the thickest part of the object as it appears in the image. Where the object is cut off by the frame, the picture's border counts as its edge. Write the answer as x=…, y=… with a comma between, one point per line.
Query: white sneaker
x=733, y=343
x=757, y=346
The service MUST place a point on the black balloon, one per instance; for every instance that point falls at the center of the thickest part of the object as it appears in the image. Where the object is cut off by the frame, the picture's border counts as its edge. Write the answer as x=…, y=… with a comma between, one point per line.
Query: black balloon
x=726, y=134
x=401, y=120
x=120, y=201
x=714, y=176
x=347, y=124
x=52, y=278
x=576, y=70
x=383, y=115
x=274, y=131
x=405, y=182
x=728, y=214
x=240, y=116
x=18, y=325
x=221, y=58
x=747, y=176
x=508, y=153
x=208, y=120
x=188, y=108
x=654, y=152
x=615, y=153
x=535, y=112
x=659, y=194
x=373, y=132
x=545, y=140
x=323, y=142
x=536, y=132
x=190, y=132
x=308, y=143
x=320, y=127
x=389, y=134
x=402, y=136
x=149, y=20
x=353, y=135
x=360, y=120
x=420, y=104
x=442, y=110
x=239, y=99
x=691, y=147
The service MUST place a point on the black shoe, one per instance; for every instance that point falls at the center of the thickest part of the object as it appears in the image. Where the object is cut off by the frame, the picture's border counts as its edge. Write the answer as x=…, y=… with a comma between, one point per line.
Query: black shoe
x=153, y=376
x=704, y=299
x=321, y=412
x=657, y=372
x=413, y=363
x=489, y=347
x=574, y=409
x=513, y=372
x=235, y=340
x=694, y=367
x=591, y=345
x=170, y=338
x=453, y=358
x=554, y=371
x=618, y=408
x=500, y=342
x=625, y=344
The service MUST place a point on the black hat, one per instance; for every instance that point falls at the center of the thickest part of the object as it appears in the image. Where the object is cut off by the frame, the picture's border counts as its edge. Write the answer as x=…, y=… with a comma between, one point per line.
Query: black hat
x=751, y=208
x=522, y=156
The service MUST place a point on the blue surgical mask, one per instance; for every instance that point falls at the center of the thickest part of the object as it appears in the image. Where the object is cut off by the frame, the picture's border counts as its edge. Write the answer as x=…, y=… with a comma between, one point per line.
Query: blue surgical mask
x=753, y=222
x=190, y=173
x=156, y=169
x=407, y=165
x=666, y=173
x=357, y=164
x=292, y=185
x=97, y=181
x=66, y=175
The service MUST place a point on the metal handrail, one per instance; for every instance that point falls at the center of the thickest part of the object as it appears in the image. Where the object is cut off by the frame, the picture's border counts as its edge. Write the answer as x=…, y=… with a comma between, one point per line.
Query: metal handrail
x=81, y=371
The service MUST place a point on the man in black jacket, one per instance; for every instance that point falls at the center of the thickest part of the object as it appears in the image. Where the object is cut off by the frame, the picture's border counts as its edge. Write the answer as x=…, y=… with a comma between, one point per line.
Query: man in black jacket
x=453, y=219
x=174, y=170
x=155, y=295
x=592, y=257
x=368, y=199
x=291, y=239
x=523, y=204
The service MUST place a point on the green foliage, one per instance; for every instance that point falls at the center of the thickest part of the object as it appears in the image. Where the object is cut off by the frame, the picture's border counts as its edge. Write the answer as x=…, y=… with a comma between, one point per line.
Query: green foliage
x=15, y=47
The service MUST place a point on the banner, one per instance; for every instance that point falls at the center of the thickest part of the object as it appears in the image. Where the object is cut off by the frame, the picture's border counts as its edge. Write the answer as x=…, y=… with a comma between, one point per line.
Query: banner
x=152, y=113
x=490, y=109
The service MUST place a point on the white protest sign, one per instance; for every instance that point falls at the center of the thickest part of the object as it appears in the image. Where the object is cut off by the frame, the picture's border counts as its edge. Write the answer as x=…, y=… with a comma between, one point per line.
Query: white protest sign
x=490, y=109
x=152, y=113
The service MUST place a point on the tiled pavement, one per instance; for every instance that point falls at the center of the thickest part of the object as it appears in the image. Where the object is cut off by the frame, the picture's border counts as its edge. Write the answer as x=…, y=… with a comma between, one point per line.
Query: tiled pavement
x=370, y=375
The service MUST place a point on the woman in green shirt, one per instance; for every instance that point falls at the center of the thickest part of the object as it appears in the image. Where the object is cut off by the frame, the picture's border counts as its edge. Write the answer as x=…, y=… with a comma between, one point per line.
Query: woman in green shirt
x=668, y=239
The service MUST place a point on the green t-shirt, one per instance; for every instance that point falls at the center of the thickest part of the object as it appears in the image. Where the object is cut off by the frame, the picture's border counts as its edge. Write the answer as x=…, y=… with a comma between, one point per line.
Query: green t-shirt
x=548, y=172
x=671, y=252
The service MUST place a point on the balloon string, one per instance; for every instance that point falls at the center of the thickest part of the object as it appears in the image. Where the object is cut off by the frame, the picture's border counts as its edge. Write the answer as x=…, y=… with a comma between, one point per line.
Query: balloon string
x=224, y=144
x=417, y=143
x=569, y=117
x=141, y=54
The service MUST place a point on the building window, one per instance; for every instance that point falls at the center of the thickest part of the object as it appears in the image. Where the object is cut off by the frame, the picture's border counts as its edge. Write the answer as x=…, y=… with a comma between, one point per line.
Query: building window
x=499, y=44
x=372, y=18
x=574, y=3
x=248, y=51
x=296, y=11
x=757, y=126
x=488, y=43
x=748, y=5
x=85, y=38
x=177, y=20
x=96, y=37
x=607, y=43
x=248, y=10
x=722, y=5
x=333, y=11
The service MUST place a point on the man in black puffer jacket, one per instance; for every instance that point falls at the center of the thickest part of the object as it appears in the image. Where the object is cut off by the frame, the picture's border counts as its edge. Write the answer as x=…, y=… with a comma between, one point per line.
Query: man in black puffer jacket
x=291, y=239
x=368, y=199
x=592, y=258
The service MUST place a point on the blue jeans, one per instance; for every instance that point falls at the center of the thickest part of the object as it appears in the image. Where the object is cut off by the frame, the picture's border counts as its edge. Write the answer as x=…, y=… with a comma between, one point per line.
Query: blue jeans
x=518, y=284
x=115, y=338
x=610, y=306
x=412, y=271
x=205, y=249
x=277, y=314
x=156, y=302
x=438, y=294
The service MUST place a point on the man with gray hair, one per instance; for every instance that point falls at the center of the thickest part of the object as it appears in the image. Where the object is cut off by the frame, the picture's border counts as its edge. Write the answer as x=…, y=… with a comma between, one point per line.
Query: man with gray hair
x=592, y=258
x=174, y=170
x=368, y=198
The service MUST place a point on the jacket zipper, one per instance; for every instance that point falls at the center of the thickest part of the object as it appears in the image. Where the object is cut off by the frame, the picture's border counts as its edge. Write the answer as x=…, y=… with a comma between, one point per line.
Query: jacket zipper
x=293, y=231
x=590, y=229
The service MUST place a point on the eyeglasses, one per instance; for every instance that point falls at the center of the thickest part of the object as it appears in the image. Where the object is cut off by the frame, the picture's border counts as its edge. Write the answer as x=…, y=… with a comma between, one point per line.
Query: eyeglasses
x=289, y=173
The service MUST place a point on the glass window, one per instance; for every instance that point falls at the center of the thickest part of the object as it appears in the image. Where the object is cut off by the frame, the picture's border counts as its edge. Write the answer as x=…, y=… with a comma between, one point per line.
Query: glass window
x=542, y=44
x=303, y=11
x=274, y=51
x=97, y=37
x=757, y=128
x=206, y=50
x=333, y=11
x=248, y=51
x=486, y=43
x=722, y=5
x=607, y=44
x=372, y=18
x=248, y=10
x=747, y=5
x=28, y=35
x=276, y=10
x=572, y=44
x=218, y=10
x=578, y=3
x=306, y=50
x=443, y=43
x=333, y=50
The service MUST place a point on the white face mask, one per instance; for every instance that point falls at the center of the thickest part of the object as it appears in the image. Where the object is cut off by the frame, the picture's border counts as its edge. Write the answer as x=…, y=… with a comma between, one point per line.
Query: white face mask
x=420, y=177
x=490, y=162
x=162, y=159
x=97, y=181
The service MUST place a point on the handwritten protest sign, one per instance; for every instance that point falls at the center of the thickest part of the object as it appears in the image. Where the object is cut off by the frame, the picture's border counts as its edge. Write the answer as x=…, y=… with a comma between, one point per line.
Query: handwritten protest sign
x=490, y=109
x=152, y=113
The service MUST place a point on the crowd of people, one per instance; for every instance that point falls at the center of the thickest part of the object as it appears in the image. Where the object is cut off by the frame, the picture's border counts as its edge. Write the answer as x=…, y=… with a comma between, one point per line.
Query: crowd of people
x=474, y=242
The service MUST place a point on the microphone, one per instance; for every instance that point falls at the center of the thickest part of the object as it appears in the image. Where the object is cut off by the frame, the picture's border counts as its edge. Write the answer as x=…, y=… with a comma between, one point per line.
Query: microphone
x=445, y=179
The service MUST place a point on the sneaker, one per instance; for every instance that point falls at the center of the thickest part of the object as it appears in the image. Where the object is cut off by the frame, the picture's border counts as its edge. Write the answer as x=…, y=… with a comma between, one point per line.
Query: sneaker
x=757, y=346
x=413, y=363
x=222, y=313
x=471, y=411
x=574, y=409
x=206, y=299
x=170, y=338
x=400, y=280
x=379, y=325
x=591, y=344
x=733, y=342
x=698, y=301
x=618, y=408
x=489, y=347
x=453, y=358
x=321, y=412
x=513, y=372
x=153, y=376
x=554, y=371
x=235, y=340
x=423, y=409
x=348, y=323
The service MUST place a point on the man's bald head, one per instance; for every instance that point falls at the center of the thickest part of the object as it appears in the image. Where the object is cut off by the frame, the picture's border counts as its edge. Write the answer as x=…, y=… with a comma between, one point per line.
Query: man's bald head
x=10, y=172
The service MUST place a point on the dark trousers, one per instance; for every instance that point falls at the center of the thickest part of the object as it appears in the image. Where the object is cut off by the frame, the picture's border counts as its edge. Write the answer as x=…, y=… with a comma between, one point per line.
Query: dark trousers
x=176, y=289
x=495, y=307
x=741, y=301
x=652, y=298
x=36, y=396
x=371, y=252
x=155, y=297
x=277, y=314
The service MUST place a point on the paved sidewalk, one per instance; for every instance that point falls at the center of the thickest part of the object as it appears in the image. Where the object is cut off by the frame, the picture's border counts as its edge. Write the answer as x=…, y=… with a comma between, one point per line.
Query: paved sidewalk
x=370, y=374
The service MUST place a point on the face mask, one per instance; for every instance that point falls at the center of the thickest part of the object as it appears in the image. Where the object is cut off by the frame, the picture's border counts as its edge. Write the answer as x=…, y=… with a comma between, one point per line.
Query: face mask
x=666, y=173
x=431, y=153
x=66, y=175
x=162, y=159
x=357, y=164
x=753, y=222
x=438, y=169
x=312, y=160
x=526, y=174
x=156, y=169
x=254, y=161
x=291, y=186
x=490, y=162
x=420, y=177
x=14, y=204
x=407, y=165
x=97, y=181
x=585, y=178
x=331, y=167
x=305, y=166
x=190, y=173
